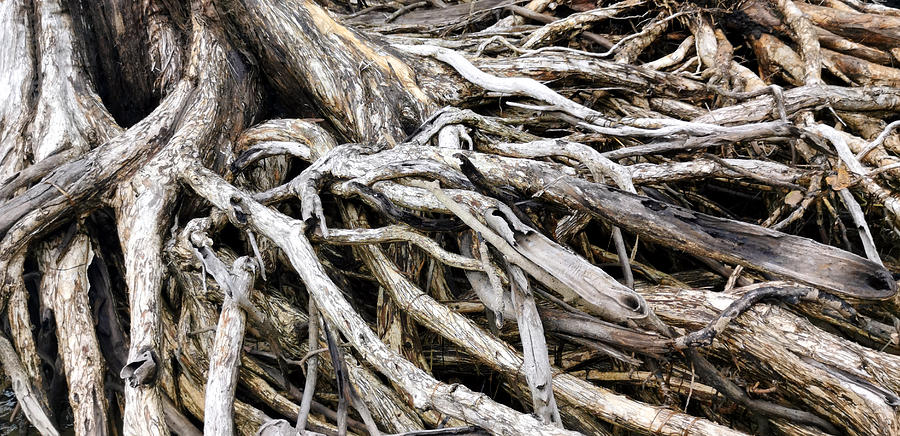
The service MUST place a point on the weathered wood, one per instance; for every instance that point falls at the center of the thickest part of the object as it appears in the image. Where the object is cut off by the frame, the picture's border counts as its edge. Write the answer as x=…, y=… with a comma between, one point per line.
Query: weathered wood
x=141, y=227
x=711, y=48
x=311, y=368
x=384, y=103
x=17, y=83
x=203, y=311
x=569, y=390
x=549, y=263
x=805, y=37
x=120, y=37
x=733, y=241
x=142, y=204
x=388, y=408
x=749, y=245
x=221, y=380
x=534, y=348
x=879, y=30
x=66, y=119
x=31, y=405
x=584, y=70
x=862, y=71
x=21, y=330
x=555, y=30
x=802, y=356
x=68, y=112
x=797, y=99
x=837, y=43
x=549, y=122
x=64, y=289
x=425, y=391
x=429, y=18
x=776, y=56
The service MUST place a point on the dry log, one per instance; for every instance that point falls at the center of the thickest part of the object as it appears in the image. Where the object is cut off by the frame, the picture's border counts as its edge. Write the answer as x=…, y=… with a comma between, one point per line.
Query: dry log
x=385, y=103
x=807, y=41
x=569, y=389
x=797, y=99
x=708, y=49
x=878, y=30
x=574, y=22
x=35, y=411
x=752, y=246
x=862, y=71
x=586, y=70
x=797, y=356
x=774, y=55
x=390, y=411
x=843, y=45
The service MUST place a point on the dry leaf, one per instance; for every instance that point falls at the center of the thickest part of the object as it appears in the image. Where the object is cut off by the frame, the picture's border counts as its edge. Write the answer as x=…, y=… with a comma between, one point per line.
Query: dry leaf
x=793, y=198
x=839, y=181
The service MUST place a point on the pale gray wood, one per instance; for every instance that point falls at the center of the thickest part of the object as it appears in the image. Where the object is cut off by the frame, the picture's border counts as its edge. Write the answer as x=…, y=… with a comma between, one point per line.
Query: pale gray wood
x=224, y=359
x=424, y=390
x=36, y=413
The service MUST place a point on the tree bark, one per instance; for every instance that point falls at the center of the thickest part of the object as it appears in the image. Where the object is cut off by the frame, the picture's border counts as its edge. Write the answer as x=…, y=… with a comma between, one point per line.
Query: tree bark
x=183, y=182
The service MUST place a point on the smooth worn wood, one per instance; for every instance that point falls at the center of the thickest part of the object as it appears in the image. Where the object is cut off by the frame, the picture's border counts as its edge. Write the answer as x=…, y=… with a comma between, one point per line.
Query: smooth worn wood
x=745, y=244
x=733, y=241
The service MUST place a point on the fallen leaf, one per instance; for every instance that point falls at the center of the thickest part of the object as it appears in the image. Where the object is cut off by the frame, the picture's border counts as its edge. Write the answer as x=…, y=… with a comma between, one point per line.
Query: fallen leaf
x=841, y=180
x=793, y=198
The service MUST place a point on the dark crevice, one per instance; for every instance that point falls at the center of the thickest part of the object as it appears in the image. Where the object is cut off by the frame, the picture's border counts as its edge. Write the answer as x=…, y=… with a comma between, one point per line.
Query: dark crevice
x=124, y=83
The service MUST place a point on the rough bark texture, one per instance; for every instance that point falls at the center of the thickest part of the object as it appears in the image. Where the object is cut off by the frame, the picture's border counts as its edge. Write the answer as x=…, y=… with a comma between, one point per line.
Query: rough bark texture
x=547, y=218
x=64, y=286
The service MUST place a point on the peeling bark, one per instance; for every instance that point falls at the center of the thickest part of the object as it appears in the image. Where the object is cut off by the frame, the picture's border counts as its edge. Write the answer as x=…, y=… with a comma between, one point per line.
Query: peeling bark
x=152, y=151
x=64, y=288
